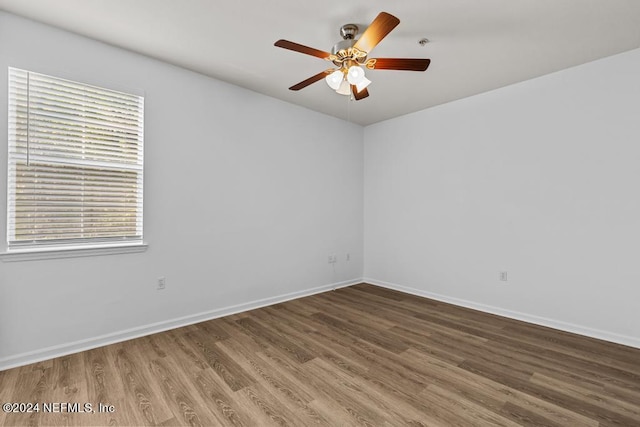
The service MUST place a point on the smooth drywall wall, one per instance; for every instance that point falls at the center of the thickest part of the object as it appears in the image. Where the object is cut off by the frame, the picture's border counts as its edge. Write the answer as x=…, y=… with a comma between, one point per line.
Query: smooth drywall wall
x=245, y=198
x=540, y=179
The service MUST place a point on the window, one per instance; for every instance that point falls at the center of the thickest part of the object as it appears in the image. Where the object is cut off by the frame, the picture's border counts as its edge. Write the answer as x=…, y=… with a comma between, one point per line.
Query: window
x=75, y=164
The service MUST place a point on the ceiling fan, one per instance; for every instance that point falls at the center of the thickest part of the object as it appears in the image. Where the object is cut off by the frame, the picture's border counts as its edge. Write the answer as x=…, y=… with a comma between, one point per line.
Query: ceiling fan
x=350, y=54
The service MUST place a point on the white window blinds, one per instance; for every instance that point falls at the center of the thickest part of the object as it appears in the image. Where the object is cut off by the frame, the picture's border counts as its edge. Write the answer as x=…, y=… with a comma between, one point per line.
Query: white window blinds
x=75, y=163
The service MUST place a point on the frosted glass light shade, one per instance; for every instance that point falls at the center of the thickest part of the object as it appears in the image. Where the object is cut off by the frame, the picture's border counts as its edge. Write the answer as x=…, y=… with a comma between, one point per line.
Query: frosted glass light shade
x=335, y=79
x=355, y=74
x=345, y=88
x=362, y=84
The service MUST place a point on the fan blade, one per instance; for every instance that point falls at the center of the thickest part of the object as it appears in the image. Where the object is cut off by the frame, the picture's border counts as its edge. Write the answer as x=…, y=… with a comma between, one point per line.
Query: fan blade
x=310, y=80
x=407, y=64
x=379, y=28
x=359, y=95
x=286, y=44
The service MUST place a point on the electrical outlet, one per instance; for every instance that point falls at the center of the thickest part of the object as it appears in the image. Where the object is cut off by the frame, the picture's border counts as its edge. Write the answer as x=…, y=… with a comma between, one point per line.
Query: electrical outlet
x=162, y=283
x=332, y=259
x=503, y=276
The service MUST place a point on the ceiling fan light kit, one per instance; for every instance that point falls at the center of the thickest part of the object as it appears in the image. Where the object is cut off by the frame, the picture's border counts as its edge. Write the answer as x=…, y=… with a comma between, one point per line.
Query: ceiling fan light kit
x=338, y=79
x=350, y=54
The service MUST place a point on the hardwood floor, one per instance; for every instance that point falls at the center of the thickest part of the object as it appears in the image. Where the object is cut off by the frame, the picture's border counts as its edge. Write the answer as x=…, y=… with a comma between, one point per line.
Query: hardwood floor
x=356, y=356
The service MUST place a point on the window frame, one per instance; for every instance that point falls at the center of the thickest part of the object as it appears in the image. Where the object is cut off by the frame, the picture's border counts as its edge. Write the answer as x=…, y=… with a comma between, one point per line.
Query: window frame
x=86, y=246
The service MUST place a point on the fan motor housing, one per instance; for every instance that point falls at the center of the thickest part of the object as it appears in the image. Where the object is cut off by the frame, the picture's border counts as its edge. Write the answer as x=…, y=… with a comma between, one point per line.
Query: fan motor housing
x=343, y=45
x=349, y=31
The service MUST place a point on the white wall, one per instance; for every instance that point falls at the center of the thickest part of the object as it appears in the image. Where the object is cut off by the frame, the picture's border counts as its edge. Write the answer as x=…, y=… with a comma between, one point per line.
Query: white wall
x=245, y=197
x=540, y=179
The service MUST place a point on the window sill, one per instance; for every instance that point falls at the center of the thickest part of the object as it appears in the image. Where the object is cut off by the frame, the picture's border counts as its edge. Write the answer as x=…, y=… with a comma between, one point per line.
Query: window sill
x=70, y=252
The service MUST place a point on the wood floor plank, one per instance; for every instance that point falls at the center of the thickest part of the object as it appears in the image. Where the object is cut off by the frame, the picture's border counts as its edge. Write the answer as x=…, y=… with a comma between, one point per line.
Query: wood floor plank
x=576, y=344
x=213, y=331
x=67, y=381
x=383, y=340
x=184, y=404
x=336, y=305
x=597, y=399
x=287, y=392
x=605, y=416
x=232, y=374
x=523, y=416
x=8, y=387
x=385, y=293
x=361, y=355
x=221, y=403
x=283, y=343
x=586, y=367
x=103, y=385
x=265, y=409
x=517, y=354
x=416, y=305
x=287, y=326
x=323, y=401
x=183, y=353
x=489, y=393
x=621, y=393
x=143, y=401
x=32, y=386
x=200, y=384
x=464, y=410
x=359, y=411
x=254, y=363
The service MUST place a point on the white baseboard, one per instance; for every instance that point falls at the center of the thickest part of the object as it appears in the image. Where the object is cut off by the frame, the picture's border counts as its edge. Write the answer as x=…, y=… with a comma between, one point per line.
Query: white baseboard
x=529, y=318
x=140, y=331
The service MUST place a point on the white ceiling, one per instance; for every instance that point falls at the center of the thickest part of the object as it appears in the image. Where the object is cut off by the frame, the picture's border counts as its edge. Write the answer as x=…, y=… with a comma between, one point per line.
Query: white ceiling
x=475, y=45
